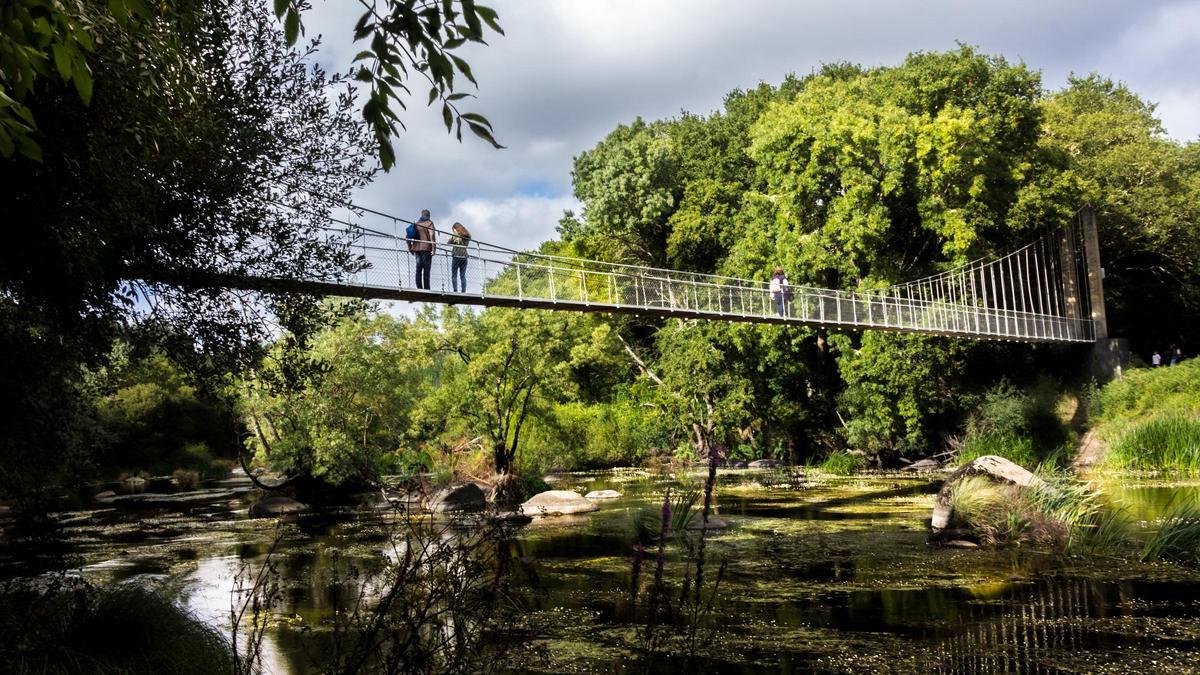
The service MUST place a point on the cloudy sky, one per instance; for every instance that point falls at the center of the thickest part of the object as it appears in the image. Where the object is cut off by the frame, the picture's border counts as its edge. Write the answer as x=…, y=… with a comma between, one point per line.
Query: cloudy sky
x=568, y=71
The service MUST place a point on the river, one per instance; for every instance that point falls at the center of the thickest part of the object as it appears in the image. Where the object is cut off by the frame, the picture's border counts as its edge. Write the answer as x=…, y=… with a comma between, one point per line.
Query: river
x=823, y=574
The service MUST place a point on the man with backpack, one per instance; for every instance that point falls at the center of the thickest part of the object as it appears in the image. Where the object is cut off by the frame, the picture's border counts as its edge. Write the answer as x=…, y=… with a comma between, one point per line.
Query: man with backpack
x=422, y=244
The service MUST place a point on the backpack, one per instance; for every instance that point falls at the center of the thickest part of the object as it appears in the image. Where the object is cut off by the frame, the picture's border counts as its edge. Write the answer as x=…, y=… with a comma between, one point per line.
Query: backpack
x=412, y=234
x=787, y=289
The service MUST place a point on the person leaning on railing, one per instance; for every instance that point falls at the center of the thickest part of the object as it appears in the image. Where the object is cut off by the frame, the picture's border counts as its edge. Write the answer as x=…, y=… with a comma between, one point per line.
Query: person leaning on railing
x=781, y=291
x=423, y=246
x=458, y=257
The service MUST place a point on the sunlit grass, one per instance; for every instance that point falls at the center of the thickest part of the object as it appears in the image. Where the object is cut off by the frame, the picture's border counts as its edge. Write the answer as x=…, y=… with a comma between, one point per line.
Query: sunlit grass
x=1167, y=442
x=841, y=464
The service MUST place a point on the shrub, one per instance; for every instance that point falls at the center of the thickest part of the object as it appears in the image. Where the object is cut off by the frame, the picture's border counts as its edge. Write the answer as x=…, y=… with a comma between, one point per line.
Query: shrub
x=1020, y=425
x=1017, y=449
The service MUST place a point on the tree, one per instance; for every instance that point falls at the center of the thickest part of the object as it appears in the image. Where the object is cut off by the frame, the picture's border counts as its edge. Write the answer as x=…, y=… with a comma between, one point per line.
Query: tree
x=351, y=420
x=214, y=171
x=1115, y=155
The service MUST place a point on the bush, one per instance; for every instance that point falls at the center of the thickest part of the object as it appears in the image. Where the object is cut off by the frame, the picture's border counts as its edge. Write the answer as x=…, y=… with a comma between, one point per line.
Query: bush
x=1020, y=425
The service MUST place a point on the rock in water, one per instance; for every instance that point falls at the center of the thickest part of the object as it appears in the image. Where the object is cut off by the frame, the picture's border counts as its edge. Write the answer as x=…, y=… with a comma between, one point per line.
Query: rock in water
x=923, y=465
x=276, y=506
x=468, y=497
x=603, y=494
x=714, y=523
x=562, y=502
x=107, y=495
x=736, y=464
x=998, y=468
x=765, y=464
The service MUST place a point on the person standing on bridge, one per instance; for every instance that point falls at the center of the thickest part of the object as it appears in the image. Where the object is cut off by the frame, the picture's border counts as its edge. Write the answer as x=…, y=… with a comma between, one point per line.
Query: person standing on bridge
x=781, y=291
x=422, y=246
x=458, y=257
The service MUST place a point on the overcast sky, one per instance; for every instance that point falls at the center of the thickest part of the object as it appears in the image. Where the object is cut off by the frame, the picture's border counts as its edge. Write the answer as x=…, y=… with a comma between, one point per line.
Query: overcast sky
x=568, y=71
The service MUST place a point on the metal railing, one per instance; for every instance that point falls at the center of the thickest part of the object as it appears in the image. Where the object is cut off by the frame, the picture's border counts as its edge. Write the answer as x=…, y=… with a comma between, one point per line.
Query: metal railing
x=967, y=302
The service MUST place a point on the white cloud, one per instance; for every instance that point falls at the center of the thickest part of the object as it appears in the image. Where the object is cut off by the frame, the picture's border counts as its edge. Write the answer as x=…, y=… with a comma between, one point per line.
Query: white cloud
x=568, y=71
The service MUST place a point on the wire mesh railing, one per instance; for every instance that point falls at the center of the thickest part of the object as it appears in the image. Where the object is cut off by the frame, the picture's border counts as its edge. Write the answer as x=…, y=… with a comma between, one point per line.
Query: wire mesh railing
x=973, y=301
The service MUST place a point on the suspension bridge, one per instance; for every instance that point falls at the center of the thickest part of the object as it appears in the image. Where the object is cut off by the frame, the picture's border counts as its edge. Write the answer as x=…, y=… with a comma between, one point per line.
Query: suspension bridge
x=1049, y=290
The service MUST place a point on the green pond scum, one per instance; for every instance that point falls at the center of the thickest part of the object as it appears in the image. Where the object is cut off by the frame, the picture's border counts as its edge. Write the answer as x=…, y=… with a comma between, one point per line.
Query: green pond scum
x=822, y=573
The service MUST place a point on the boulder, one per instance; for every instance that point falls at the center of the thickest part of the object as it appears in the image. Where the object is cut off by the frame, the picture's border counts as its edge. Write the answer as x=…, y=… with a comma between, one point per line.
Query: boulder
x=466, y=497
x=997, y=468
x=603, y=494
x=735, y=464
x=923, y=465
x=564, y=502
x=104, y=496
x=514, y=518
x=765, y=464
x=714, y=523
x=276, y=506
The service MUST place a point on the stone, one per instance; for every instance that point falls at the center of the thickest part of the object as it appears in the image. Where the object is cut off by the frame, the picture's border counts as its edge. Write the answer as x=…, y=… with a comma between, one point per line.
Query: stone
x=765, y=464
x=922, y=465
x=714, y=523
x=960, y=543
x=736, y=464
x=603, y=494
x=277, y=506
x=514, y=518
x=997, y=468
x=564, y=502
x=102, y=496
x=134, y=483
x=466, y=497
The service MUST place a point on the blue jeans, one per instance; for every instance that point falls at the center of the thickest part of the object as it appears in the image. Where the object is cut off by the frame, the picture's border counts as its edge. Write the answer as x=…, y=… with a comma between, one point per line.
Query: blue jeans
x=458, y=274
x=779, y=301
x=424, y=264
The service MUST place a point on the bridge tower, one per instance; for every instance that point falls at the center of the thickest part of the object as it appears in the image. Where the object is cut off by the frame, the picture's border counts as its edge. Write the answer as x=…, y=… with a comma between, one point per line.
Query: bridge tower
x=1109, y=355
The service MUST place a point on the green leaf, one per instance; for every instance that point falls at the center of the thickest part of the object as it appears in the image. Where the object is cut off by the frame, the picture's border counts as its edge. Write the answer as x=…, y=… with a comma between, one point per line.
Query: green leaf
x=291, y=26
x=281, y=6
x=29, y=148
x=490, y=17
x=464, y=68
x=6, y=143
x=472, y=19
x=62, y=61
x=447, y=116
x=441, y=69
x=82, y=77
x=363, y=55
x=387, y=156
x=483, y=133
x=433, y=95
x=476, y=118
x=459, y=96
x=364, y=75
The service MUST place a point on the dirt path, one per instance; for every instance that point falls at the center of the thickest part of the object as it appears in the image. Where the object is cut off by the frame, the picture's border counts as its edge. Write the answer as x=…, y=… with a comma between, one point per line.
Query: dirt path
x=1091, y=449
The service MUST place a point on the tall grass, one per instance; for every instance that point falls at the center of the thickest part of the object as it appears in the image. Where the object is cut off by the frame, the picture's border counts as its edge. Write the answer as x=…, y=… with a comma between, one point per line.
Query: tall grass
x=1165, y=442
x=1178, y=534
x=1017, y=449
x=841, y=464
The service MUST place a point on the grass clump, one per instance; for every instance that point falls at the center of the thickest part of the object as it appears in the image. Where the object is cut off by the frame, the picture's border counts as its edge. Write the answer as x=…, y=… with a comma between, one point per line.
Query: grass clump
x=1151, y=419
x=1017, y=449
x=1178, y=534
x=1062, y=513
x=842, y=464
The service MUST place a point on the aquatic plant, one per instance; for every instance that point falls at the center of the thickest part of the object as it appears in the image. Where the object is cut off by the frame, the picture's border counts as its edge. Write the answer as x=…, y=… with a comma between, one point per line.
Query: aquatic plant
x=1178, y=534
x=841, y=463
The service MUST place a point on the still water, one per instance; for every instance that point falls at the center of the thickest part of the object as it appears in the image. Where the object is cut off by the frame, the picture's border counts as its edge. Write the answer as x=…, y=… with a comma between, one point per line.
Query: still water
x=824, y=574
